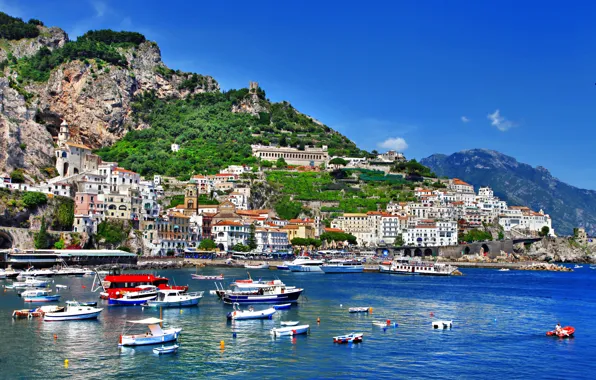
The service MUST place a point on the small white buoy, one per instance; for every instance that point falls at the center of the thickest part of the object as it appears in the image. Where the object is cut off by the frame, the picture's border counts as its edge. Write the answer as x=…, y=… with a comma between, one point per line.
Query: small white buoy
x=340, y=305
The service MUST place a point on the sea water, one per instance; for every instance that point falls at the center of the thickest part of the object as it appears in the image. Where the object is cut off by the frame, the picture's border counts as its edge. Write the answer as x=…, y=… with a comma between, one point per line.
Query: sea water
x=499, y=325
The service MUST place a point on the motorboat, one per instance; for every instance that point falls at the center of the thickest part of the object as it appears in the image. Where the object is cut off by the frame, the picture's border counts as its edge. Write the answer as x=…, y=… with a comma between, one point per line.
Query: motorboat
x=155, y=335
x=69, y=271
x=9, y=272
x=202, y=277
x=416, y=267
x=37, y=312
x=578, y=266
x=39, y=295
x=164, y=350
x=349, y=338
x=305, y=264
x=145, y=294
x=58, y=286
x=504, y=270
x=359, y=309
x=442, y=325
x=257, y=266
x=382, y=324
x=564, y=332
x=284, y=306
x=292, y=330
x=343, y=266
x=290, y=323
x=32, y=272
x=250, y=313
x=116, y=284
x=284, y=266
x=73, y=312
x=276, y=294
x=175, y=298
x=30, y=282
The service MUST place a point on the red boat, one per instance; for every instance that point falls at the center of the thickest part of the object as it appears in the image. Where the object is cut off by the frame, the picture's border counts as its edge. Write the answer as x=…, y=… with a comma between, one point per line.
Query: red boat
x=115, y=284
x=565, y=332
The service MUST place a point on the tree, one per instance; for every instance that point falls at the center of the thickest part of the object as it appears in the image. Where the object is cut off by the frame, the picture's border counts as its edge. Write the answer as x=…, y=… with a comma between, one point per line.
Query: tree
x=239, y=247
x=337, y=162
x=287, y=209
x=17, y=176
x=207, y=244
x=544, y=231
x=283, y=141
x=252, y=241
x=399, y=241
x=41, y=240
x=281, y=163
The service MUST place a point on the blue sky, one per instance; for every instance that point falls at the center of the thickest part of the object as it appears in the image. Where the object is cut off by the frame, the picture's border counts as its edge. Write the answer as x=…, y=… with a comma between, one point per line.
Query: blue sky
x=425, y=76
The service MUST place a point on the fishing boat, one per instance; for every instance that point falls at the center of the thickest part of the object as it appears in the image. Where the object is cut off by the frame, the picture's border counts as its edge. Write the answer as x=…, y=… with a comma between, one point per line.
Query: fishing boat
x=175, y=298
x=565, y=332
x=116, y=284
x=37, y=312
x=250, y=313
x=32, y=272
x=164, y=350
x=349, y=338
x=290, y=323
x=140, y=297
x=343, y=266
x=29, y=282
x=156, y=334
x=292, y=330
x=39, y=295
x=284, y=306
x=359, y=309
x=73, y=312
x=257, y=266
x=202, y=277
x=275, y=294
x=416, y=267
x=305, y=264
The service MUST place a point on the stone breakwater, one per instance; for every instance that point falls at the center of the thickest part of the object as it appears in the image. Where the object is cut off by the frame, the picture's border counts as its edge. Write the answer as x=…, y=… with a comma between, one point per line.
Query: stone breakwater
x=546, y=267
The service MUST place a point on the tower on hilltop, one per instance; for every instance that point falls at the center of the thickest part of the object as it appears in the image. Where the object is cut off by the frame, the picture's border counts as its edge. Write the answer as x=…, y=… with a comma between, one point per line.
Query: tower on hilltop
x=253, y=86
x=64, y=133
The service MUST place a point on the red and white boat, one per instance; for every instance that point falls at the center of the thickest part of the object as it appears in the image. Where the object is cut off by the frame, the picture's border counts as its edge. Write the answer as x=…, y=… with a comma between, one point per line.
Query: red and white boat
x=564, y=332
x=116, y=284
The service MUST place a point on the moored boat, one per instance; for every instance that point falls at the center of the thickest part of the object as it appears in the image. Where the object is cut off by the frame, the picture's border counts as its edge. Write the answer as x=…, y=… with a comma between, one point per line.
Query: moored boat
x=284, y=306
x=32, y=272
x=359, y=309
x=175, y=298
x=292, y=330
x=73, y=312
x=37, y=312
x=202, y=277
x=257, y=266
x=39, y=295
x=142, y=296
x=349, y=338
x=343, y=266
x=290, y=323
x=284, y=266
x=416, y=267
x=250, y=313
x=156, y=334
x=29, y=282
x=116, y=284
x=164, y=350
x=305, y=264
x=272, y=294
x=565, y=332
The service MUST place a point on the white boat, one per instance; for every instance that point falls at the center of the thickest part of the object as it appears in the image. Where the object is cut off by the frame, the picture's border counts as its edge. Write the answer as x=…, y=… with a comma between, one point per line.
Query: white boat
x=416, y=267
x=381, y=323
x=504, y=270
x=259, y=266
x=578, y=266
x=343, y=266
x=250, y=313
x=156, y=334
x=359, y=309
x=69, y=271
x=9, y=272
x=305, y=264
x=73, y=312
x=39, y=295
x=292, y=330
x=2, y=274
x=350, y=338
x=146, y=294
x=164, y=350
x=442, y=324
x=32, y=272
x=59, y=286
x=290, y=323
x=202, y=277
x=29, y=282
x=175, y=298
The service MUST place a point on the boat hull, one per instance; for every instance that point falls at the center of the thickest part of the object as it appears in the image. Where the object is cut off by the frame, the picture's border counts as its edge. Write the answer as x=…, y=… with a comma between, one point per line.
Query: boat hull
x=42, y=298
x=343, y=269
x=130, y=302
x=283, y=306
x=413, y=271
x=55, y=317
x=169, y=335
x=288, y=297
x=305, y=268
x=245, y=314
x=184, y=303
x=293, y=330
x=282, y=267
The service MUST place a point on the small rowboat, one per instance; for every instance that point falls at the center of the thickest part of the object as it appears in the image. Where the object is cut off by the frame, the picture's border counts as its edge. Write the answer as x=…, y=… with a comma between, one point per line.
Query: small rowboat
x=238, y=314
x=201, y=277
x=442, y=324
x=289, y=323
x=293, y=330
x=282, y=306
x=350, y=338
x=565, y=332
x=359, y=309
x=163, y=350
x=61, y=286
x=381, y=323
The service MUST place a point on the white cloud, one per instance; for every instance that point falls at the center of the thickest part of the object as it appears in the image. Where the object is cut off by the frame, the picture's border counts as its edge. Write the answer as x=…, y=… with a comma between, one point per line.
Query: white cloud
x=100, y=8
x=465, y=119
x=394, y=143
x=502, y=124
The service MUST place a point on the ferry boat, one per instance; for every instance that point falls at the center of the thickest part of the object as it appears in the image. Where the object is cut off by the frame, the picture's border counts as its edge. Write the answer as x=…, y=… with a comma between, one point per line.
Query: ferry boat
x=343, y=266
x=416, y=267
x=116, y=284
x=305, y=264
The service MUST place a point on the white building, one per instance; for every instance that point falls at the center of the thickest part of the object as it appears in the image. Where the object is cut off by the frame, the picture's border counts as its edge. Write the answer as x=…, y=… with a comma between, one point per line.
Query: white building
x=439, y=233
x=460, y=186
x=227, y=233
x=235, y=169
x=71, y=157
x=271, y=239
x=175, y=147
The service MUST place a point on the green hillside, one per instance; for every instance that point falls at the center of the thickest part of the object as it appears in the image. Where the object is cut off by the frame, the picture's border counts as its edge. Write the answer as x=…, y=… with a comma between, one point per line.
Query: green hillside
x=211, y=136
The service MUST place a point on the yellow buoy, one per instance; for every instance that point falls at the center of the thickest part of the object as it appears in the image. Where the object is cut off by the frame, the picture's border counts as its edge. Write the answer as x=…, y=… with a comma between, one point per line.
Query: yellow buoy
x=222, y=344
x=180, y=311
x=65, y=363
x=318, y=320
x=370, y=309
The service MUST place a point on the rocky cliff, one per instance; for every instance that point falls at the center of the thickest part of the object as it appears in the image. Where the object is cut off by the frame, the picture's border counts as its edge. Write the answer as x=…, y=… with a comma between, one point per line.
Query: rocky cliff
x=93, y=96
x=557, y=249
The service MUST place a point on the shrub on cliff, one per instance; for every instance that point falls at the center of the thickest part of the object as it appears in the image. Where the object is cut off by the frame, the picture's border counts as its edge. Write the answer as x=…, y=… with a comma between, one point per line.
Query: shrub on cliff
x=14, y=28
x=33, y=199
x=109, y=37
x=111, y=231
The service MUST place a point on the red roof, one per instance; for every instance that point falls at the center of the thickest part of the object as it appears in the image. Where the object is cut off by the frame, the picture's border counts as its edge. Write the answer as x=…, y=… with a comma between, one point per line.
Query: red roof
x=457, y=181
x=228, y=223
x=333, y=230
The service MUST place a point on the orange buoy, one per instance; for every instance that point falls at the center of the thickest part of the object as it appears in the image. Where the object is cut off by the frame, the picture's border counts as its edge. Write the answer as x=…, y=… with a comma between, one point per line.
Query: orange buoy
x=222, y=344
x=318, y=320
x=55, y=336
x=388, y=322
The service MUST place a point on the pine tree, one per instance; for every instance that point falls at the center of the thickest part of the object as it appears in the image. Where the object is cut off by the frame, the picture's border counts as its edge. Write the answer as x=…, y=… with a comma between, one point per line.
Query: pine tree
x=252, y=242
x=42, y=238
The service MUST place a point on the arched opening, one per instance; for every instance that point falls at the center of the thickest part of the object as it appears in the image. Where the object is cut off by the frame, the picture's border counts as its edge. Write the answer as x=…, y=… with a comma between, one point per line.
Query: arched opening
x=65, y=169
x=221, y=247
x=64, y=155
x=5, y=240
x=122, y=207
x=467, y=251
x=408, y=252
x=417, y=252
x=485, y=249
x=76, y=171
x=428, y=252
x=190, y=204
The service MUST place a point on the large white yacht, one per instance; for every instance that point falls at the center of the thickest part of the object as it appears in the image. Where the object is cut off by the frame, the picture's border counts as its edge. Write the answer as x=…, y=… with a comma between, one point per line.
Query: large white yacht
x=305, y=264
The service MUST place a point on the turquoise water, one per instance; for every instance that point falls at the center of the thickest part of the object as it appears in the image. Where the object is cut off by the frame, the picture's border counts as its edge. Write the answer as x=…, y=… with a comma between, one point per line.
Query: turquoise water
x=499, y=318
